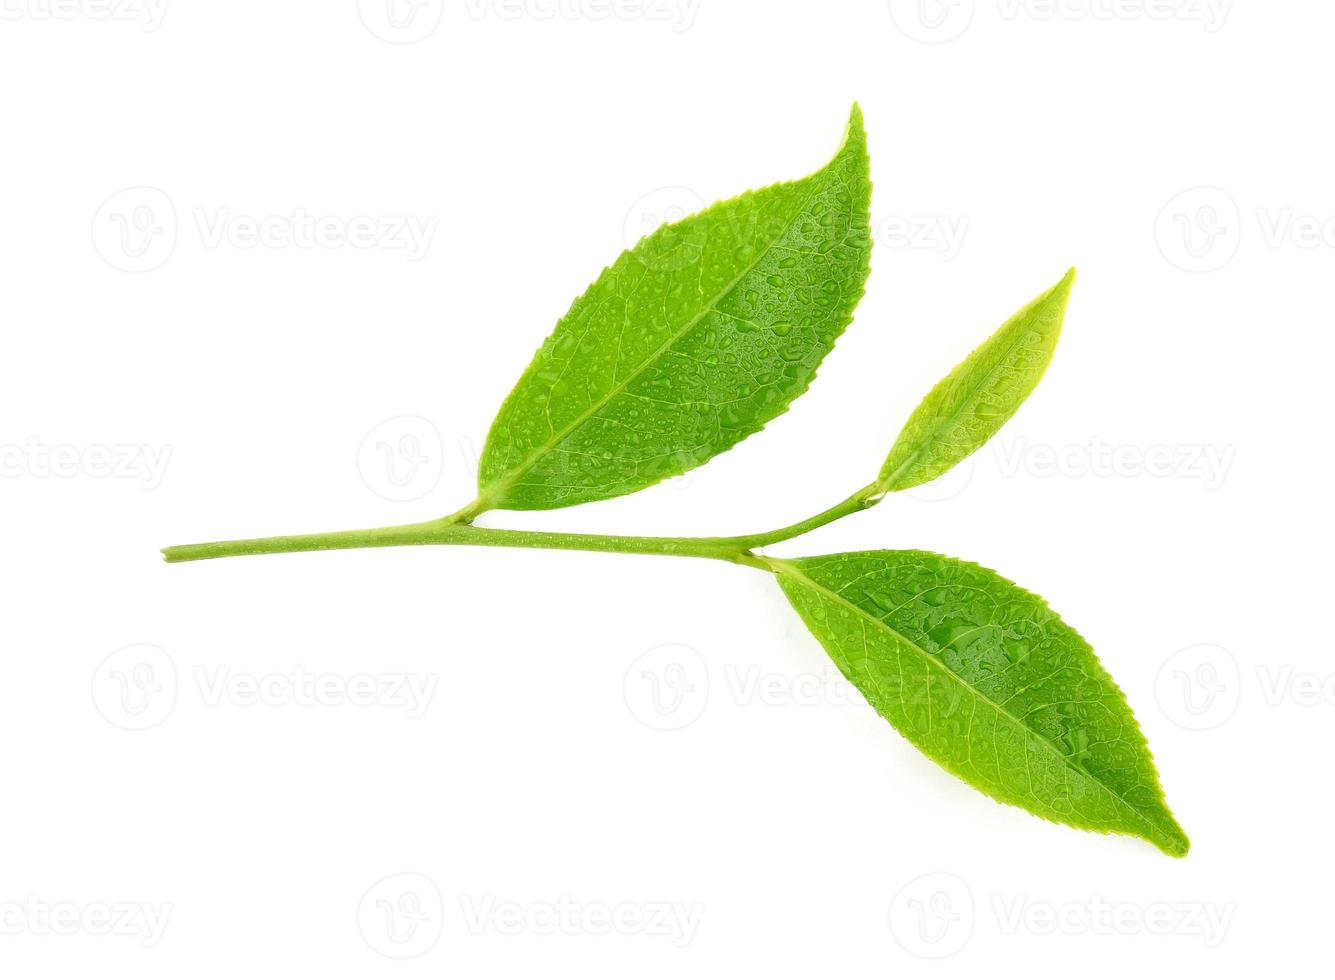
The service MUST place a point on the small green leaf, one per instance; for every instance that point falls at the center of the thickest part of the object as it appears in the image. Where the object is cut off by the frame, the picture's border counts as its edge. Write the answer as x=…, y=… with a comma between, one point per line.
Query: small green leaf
x=969, y=405
x=987, y=681
x=688, y=343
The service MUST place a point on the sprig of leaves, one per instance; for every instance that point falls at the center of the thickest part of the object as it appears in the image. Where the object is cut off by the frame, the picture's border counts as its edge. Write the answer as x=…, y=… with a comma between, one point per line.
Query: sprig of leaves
x=696, y=338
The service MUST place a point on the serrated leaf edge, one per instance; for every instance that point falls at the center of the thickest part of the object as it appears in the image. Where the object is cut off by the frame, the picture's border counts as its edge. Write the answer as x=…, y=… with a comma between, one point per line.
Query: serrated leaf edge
x=1172, y=839
x=490, y=494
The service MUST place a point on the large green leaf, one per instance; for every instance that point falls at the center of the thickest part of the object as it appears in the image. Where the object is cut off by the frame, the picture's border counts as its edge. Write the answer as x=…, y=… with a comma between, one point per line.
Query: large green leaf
x=986, y=680
x=969, y=405
x=688, y=343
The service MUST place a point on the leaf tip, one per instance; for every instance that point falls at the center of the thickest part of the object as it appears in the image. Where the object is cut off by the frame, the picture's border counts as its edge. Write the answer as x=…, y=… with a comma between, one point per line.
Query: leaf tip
x=856, y=133
x=1173, y=841
x=1062, y=290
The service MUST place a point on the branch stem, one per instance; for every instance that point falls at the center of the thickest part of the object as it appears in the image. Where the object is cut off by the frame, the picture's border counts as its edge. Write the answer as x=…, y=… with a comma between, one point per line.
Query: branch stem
x=457, y=530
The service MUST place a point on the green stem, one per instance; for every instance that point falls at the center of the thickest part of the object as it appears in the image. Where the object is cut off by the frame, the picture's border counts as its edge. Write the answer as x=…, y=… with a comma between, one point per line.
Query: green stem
x=868, y=496
x=456, y=530
x=439, y=532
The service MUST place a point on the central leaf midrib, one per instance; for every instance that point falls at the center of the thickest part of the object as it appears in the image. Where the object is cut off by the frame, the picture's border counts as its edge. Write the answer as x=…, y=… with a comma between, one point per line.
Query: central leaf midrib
x=513, y=477
x=787, y=568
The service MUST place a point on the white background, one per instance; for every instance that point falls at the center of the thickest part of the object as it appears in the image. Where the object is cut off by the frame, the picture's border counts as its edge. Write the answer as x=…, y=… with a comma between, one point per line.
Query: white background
x=1166, y=488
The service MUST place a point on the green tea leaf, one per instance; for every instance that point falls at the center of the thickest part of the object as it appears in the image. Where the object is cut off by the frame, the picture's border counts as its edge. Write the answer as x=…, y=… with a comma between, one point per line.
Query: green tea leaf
x=986, y=680
x=969, y=405
x=688, y=343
